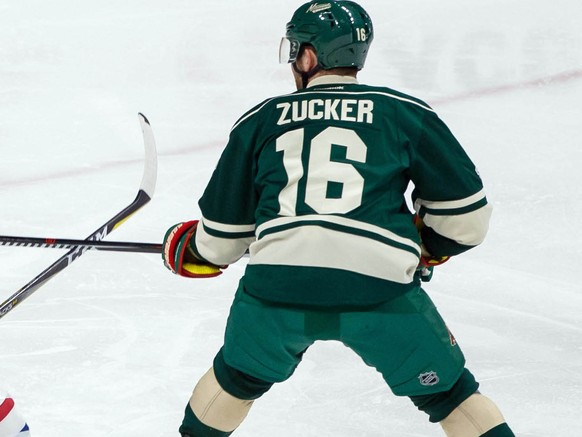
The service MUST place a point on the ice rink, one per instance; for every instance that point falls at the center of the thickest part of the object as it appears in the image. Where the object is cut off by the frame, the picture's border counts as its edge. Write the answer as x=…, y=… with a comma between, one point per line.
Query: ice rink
x=114, y=344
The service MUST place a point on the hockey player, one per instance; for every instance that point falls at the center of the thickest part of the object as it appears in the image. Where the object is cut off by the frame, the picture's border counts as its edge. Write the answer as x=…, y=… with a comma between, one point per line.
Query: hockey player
x=12, y=424
x=313, y=185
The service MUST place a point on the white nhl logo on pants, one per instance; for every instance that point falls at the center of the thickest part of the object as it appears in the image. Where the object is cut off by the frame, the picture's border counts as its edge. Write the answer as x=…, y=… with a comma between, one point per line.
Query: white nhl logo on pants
x=428, y=378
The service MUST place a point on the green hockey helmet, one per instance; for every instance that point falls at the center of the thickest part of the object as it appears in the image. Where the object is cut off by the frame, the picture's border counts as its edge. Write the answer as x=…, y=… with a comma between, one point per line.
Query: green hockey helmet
x=340, y=31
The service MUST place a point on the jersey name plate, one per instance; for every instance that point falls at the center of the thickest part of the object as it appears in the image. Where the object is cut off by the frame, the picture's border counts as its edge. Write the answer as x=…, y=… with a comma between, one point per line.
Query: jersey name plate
x=353, y=110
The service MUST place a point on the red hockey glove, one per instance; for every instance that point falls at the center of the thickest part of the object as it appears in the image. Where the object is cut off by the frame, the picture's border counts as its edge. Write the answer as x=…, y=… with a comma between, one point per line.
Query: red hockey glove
x=431, y=261
x=179, y=259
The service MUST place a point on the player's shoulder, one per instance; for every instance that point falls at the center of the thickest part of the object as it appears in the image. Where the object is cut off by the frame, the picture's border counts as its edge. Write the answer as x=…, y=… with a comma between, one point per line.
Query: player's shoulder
x=261, y=110
x=393, y=95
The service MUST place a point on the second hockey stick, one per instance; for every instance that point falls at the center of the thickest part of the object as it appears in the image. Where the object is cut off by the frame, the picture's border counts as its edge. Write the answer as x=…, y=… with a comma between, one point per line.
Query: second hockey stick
x=66, y=243
x=144, y=195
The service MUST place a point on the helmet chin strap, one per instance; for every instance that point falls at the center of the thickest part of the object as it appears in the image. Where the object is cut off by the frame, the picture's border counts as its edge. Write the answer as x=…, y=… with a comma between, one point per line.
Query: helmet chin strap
x=305, y=76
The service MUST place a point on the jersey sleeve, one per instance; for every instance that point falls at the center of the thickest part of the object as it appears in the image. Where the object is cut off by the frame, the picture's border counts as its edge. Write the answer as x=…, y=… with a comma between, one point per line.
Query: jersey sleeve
x=227, y=226
x=448, y=193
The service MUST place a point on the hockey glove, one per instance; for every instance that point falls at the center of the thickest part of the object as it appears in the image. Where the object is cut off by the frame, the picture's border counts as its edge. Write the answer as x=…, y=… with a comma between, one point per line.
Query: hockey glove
x=426, y=259
x=179, y=258
x=432, y=261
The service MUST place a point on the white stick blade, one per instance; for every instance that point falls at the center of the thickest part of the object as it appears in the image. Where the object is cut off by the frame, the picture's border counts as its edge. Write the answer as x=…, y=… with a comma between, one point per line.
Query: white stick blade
x=148, y=182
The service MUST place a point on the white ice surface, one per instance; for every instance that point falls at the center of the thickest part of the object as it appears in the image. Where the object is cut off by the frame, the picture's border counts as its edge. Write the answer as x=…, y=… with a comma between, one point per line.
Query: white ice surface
x=113, y=345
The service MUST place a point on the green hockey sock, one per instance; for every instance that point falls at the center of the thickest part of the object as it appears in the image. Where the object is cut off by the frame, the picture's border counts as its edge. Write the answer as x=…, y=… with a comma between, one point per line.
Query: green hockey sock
x=499, y=431
x=192, y=426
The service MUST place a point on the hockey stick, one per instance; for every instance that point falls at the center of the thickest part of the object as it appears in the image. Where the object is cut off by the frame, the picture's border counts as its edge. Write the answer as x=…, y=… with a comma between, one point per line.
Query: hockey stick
x=144, y=195
x=64, y=243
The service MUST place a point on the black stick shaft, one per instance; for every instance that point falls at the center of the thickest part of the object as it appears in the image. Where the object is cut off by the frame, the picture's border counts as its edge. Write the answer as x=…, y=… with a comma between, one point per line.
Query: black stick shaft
x=66, y=243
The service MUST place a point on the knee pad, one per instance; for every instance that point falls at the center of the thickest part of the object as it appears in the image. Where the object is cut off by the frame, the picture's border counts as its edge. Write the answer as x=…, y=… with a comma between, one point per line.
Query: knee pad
x=440, y=405
x=238, y=383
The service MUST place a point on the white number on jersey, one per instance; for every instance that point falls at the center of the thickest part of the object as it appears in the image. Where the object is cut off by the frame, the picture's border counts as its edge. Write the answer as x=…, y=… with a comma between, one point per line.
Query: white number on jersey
x=322, y=170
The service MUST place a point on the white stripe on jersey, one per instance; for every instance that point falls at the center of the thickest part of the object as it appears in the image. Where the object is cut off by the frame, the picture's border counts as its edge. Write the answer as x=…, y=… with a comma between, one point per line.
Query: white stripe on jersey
x=220, y=251
x=450, y=204
x=468, y=229
x=232, y=229
x=315, y=246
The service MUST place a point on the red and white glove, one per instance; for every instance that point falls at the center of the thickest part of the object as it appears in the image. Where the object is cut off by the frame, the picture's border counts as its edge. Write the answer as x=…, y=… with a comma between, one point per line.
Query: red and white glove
x=179, y=259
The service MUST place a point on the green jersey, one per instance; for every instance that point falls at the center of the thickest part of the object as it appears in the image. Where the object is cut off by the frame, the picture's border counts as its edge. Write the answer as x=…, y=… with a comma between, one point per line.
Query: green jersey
x=313, y=184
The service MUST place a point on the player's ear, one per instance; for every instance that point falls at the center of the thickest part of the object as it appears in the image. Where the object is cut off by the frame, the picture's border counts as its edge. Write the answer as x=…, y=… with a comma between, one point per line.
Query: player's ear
x=307, y=59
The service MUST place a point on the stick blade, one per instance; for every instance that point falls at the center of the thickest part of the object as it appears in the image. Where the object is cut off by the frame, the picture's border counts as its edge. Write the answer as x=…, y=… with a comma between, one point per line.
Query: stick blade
x=148, y=182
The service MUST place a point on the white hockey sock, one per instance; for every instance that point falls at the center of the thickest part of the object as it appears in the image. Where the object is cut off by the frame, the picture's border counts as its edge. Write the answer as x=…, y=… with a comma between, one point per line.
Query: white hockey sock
x=473, y=418
x=216, y=408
